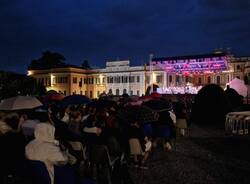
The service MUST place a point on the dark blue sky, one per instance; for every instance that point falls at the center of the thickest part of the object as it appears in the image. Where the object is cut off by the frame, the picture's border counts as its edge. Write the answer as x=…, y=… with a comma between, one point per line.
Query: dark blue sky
x=100, y=30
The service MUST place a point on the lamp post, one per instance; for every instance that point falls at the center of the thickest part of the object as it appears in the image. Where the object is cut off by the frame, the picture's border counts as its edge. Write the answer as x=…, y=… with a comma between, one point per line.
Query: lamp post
x=151, y=72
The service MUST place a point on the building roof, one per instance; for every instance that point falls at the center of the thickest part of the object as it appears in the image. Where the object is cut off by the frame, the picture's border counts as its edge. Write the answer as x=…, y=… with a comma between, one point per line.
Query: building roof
x=190, y=56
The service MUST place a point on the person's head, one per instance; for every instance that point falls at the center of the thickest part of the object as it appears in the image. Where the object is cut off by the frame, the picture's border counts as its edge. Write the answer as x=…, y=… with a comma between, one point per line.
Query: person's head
x=2, y=115
x=76, y=116
x=45, y=132
x=12, y=120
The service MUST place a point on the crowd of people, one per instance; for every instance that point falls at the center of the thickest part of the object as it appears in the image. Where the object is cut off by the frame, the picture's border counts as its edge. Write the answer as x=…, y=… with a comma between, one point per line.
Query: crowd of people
x=70, y=135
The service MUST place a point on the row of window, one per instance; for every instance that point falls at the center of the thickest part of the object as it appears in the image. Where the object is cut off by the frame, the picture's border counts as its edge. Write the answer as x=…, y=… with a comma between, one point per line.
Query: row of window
x=117, y=92
x=88, y=80
x=123, y=79
x=44, y=81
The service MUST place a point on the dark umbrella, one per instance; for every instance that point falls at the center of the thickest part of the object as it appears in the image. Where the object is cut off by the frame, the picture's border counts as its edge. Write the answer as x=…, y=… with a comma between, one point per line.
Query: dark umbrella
x=104, y=103
x=141, y=114
x=52, y=97
x=75, y=100
x=158, y=105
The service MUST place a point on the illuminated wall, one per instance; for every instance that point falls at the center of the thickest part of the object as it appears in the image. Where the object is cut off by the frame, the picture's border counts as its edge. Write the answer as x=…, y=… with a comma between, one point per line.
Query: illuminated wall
x=192, y=65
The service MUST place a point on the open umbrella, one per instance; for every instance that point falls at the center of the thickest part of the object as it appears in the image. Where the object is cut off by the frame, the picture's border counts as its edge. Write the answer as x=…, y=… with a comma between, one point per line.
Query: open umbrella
x=51, y=97
x=104, y=103
x=138, y=113
x=158, y=105
x=20, y=102
x=75, y=100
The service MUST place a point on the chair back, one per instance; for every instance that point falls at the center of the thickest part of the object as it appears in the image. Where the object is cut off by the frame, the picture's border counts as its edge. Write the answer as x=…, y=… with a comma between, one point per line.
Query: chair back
x=39, y=172
x=99, y=155
x=64, y=174
x=148, y=130
x=163, y=131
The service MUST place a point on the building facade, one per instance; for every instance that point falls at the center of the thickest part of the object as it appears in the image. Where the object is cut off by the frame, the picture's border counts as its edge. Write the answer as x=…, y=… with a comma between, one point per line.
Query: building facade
x=118, y=77
x=71, y=80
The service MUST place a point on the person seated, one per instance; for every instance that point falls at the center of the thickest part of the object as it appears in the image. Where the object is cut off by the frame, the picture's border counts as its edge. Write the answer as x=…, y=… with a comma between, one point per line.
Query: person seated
x=165, y=129
x=139, y=144
x=12, y=141
x=46, y=149
x=75, y=123
x=4, y=128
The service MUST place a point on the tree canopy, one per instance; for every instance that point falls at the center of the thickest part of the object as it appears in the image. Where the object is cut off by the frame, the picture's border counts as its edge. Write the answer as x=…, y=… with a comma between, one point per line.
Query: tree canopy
x=48, y=60
x=12, y=84
x=85, y=64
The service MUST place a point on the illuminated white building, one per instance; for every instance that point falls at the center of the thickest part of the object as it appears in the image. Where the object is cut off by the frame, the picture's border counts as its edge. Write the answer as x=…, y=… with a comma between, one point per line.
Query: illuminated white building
x=122, y=78
x=118, y=77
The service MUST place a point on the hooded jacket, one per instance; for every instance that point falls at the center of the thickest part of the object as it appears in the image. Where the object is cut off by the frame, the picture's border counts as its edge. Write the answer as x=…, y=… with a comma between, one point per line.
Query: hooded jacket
x=45, y=148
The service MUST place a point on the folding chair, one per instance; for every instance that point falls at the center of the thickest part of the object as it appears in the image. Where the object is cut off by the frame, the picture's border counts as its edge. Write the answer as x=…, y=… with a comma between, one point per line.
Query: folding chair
x=99, y=158
x=39, y=172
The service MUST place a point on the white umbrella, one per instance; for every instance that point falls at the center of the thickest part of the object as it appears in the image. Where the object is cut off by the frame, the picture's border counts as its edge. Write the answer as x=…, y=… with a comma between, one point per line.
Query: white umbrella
x=239, y=86
x=20, y=102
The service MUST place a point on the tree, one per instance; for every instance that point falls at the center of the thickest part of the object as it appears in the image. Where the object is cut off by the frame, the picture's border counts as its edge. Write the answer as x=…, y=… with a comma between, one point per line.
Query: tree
x=85, y=64
x=47, y=61
x=12, y=84
x=211, y=106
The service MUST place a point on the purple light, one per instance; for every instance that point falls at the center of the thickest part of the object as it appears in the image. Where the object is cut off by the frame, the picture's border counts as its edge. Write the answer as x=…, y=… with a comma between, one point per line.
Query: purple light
x=193, y=65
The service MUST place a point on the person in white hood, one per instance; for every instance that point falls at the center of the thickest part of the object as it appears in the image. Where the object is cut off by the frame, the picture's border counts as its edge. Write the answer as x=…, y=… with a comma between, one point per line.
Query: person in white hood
x=45, y=148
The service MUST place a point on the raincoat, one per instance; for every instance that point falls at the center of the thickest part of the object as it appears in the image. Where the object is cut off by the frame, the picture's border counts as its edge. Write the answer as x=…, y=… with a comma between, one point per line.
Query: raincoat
x=45, y=148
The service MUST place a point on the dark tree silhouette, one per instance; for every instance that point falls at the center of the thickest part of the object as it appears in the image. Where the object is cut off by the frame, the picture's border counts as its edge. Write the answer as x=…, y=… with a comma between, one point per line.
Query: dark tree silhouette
x=210, y=106
x=85, y=64
x=48, y=60
x=12, y=84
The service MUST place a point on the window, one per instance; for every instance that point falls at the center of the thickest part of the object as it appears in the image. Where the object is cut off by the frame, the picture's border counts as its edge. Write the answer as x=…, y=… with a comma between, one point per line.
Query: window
x=124, y=91
x=238, y=77
x=125, y=79
x=110, y=91
x=138, y=93
x=199, y=80
x=177, y=78
x=85, y=81
x=80, y=92
x=170, y=78
x=65, y=93
x=131, y=92
x=98, y=80
x=86, y=93
x=103, y=80
x=138, y=79
x=147, y=79
x=131, y=79
x=238, y=67
x=74, y=80
x=91, y=80
x=91, y=94
x=98, y=93
x=111, y=80
x=218, y=79
x=117, y=91
x=159, y=79
x=209, y=80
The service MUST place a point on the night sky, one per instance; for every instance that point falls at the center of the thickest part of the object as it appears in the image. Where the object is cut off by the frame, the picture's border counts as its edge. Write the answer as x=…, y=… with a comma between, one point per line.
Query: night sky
x=101, y=30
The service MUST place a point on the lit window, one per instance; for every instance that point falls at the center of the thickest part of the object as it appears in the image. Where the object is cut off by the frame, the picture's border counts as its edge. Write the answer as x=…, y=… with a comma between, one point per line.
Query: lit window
x=138, y=78
x=117, y=92
x=124, y=91
x=209, y=80
x=74, y=80
x=218, y=79
x=159, y=79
